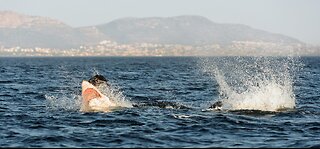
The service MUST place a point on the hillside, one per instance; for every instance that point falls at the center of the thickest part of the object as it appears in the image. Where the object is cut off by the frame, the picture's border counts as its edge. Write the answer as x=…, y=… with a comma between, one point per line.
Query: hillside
x=34, y=31
x=184, y=30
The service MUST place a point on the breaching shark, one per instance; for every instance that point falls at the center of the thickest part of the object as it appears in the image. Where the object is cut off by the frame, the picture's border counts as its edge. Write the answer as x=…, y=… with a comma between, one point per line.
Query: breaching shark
x=92, y=98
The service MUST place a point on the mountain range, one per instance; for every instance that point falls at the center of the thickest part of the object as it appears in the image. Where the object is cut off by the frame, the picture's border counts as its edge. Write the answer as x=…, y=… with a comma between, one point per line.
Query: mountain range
x=34, y=31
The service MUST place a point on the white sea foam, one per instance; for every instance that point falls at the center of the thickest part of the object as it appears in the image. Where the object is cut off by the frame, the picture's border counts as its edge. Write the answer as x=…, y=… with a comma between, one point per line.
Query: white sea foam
x=258, y=83
x=63, y=101
x=115, y=96
x=269, y=97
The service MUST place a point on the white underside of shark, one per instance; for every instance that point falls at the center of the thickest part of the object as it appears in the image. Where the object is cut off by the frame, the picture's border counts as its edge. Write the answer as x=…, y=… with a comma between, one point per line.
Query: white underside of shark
x=101, y=103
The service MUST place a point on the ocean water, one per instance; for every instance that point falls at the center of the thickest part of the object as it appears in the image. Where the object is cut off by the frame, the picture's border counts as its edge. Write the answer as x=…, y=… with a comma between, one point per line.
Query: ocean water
x=163, y=102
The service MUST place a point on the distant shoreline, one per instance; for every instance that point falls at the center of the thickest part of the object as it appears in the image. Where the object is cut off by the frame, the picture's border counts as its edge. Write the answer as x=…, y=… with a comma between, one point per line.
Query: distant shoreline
x=1, y=56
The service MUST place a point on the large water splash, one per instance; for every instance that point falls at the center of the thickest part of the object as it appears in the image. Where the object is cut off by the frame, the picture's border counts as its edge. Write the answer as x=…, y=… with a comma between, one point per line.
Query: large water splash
x=115, y=95
x=73, y=101
x=254, y=83
x=69, y=98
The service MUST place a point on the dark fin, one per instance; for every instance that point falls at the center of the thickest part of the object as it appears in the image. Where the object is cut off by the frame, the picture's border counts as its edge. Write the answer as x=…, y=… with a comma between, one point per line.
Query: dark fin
x=161, y=104
x=97, y=80
x=217, y=105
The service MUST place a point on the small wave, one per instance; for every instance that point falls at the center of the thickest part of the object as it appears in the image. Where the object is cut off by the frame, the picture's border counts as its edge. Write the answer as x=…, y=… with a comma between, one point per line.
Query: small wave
x=43, y=139
x=181, y=116
x=105, y=122
x=6, y=95
x=29, y=93
x=253, y=112
x=5, y=82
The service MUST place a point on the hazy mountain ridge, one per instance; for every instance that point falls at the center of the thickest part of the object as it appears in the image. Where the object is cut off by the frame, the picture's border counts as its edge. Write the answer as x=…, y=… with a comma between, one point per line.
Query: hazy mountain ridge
x=185, y=30
x=32, y=31
x=11, y=19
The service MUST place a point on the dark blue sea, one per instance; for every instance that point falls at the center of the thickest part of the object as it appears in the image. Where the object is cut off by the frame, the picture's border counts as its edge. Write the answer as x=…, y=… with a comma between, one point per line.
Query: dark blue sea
x=267, y=102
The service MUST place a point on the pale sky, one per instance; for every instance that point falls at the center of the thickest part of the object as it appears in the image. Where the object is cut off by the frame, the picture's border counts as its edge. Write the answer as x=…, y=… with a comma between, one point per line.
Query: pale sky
x=299, y=19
